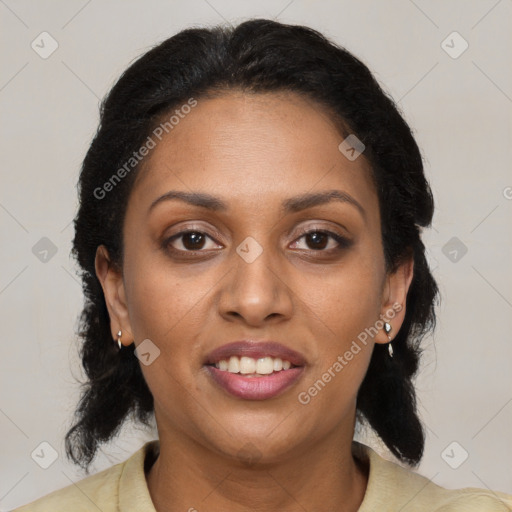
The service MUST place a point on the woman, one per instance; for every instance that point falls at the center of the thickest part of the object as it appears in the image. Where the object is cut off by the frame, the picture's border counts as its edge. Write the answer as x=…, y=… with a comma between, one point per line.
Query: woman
x=249, y=235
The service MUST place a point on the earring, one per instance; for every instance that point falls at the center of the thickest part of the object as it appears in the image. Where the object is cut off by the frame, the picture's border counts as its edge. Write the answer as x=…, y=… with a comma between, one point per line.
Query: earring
x=119, y=334
x=387, y=329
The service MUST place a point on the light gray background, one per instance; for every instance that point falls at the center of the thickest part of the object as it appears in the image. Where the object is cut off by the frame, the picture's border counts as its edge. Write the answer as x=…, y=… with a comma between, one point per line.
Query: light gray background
x=459, y=108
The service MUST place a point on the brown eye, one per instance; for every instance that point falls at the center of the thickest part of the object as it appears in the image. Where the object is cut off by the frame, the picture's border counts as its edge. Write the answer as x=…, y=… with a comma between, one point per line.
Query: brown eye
x=188, y=241
x=318, y=240
x=193, y=240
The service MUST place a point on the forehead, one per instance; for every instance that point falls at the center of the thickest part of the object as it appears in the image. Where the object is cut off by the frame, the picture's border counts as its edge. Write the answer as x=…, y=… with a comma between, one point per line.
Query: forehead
x=253, y=147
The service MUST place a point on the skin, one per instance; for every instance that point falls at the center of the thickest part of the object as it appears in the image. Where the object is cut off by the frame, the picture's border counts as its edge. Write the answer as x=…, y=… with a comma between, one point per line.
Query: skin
x=253, y=151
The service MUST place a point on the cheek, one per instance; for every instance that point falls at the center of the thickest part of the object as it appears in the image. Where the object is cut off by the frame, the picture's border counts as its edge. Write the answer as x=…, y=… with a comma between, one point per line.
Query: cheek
x=161, y=302
x=170, y=305
x=342, y=309
x=347, y=298
x=164, y=309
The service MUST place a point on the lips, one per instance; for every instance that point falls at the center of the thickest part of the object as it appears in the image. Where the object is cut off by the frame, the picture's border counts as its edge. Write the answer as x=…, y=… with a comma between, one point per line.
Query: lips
x=237, y=368
x=255, y=350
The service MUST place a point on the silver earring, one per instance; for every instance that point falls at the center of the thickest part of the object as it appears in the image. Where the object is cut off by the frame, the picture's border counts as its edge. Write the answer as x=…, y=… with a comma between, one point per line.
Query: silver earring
x=387, y=329
x=119, y=334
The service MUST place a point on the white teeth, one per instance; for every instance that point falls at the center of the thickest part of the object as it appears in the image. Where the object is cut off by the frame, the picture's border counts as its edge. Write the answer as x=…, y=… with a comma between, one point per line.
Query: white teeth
x=265, y=366
x=248, y=365
x=234, y=364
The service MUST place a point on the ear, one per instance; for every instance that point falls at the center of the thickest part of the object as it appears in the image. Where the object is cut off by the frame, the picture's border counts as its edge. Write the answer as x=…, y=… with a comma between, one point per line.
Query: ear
x=112, y=283
x=394, y=297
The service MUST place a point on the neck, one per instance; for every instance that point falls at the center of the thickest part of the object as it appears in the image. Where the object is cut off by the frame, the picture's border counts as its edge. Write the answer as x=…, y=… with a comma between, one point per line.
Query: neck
x=324, y=477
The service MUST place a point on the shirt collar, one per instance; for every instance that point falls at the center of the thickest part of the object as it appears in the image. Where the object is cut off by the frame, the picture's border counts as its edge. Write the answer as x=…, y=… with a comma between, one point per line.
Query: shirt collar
x=134, y=493
x=133, y=489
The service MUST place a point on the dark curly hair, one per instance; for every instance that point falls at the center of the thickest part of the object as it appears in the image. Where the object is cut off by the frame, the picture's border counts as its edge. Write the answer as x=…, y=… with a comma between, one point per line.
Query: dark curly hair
x=258, y=55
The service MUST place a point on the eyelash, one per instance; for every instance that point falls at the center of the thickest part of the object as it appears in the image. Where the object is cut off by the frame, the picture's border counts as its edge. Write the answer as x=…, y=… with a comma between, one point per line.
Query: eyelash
x=343, y=243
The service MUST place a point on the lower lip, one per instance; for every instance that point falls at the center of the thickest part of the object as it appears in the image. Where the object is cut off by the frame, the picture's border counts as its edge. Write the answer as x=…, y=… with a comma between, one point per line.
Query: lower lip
x=255, y=388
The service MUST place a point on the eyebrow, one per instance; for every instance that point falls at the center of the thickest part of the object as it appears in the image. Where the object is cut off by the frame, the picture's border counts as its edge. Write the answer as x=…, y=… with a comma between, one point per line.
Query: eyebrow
x=290, y=205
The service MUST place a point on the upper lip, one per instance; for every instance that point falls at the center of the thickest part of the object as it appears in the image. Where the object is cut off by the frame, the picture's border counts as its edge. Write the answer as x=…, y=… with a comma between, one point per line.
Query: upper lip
x=256, y=350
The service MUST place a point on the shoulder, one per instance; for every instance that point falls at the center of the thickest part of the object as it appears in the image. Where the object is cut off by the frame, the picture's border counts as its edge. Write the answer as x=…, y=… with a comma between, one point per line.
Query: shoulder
x=100, y=489
x=393, y=486
x=106, y=491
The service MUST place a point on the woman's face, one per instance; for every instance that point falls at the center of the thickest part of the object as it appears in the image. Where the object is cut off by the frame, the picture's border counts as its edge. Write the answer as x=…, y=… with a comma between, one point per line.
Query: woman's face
x=248, y=272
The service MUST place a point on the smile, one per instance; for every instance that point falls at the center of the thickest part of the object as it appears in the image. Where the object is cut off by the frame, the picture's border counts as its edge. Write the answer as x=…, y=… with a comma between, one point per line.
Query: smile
x=254, y=370
x=250, y=366
x=255, y=386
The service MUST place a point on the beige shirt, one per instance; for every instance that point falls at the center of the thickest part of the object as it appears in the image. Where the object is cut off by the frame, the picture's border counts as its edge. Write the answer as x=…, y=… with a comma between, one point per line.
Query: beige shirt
x=391, y=488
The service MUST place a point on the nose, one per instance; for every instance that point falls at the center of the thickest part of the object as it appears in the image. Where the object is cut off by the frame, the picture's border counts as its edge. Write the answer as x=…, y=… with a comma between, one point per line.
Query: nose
x=255, y=291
